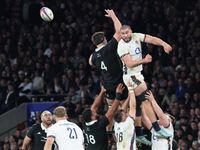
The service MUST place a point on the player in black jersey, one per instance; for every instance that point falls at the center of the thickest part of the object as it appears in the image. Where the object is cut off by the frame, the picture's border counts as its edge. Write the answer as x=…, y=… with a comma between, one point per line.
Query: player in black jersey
x=107, y=60
x=95, y=128
x=38, y=133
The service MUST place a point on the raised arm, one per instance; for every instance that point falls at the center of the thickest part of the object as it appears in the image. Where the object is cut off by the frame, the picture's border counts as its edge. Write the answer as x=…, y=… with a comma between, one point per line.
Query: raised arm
x=117, y=23
x=111, y=111
x=163, y=119
x=157, y=41
x=125, y=104
x=97, y=102
x=133, y=63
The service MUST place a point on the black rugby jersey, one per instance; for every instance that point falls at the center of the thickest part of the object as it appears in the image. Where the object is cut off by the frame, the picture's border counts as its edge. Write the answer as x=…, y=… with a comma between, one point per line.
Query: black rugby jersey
x=108, y=61
x=38, y=137
x=96, y=134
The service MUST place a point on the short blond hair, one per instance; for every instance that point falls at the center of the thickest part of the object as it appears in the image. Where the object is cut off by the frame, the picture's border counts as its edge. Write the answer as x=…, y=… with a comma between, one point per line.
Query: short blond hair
x=59, y=112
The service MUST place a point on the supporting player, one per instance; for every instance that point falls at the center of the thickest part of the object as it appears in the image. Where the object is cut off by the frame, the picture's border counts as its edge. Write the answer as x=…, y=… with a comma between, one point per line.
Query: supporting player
x=129, y=49
x=106, y=59
x=65, y=133
x=38, y=132
x=124, y=125
x=166, y=122
x=95, y=128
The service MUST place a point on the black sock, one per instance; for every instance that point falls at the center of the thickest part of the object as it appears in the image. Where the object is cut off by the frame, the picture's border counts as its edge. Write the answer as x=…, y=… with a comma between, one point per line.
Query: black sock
x=110, y=134
x=138, y=130
x=156, y=126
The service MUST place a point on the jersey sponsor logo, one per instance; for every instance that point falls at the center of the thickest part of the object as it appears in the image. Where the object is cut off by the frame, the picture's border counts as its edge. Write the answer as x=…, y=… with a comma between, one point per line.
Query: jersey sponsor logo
x=38, y=133
x=137, y=50
x=118, y=128
x=87, y=129
x=98, y=55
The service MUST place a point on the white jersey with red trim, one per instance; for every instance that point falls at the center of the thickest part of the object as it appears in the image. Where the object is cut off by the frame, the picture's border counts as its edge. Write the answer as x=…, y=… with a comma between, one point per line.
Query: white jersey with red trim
x=163, y=143
x=67, y=135
x=133, y=47
x=125, y=134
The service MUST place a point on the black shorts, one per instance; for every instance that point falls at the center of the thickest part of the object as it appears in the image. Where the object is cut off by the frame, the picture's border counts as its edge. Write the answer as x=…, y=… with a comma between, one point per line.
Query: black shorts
x=111, y=91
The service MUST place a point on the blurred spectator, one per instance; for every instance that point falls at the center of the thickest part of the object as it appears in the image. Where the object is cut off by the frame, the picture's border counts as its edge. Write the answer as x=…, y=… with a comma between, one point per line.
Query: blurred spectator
x=48, y=74
x=169, y=98
x=8, y=101
x=18, y=136
x=74, y=95
x=180, y=88
x=25, y=91
x=38, y=83
x=77, y=58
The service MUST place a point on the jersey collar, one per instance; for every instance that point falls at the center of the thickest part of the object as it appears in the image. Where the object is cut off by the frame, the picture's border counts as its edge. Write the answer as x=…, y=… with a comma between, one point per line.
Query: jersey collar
x=90, y=123
x=97, y=49
x=43, y=128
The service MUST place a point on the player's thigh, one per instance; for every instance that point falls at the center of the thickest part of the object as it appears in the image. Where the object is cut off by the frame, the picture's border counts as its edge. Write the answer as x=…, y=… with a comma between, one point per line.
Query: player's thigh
x=137, y=81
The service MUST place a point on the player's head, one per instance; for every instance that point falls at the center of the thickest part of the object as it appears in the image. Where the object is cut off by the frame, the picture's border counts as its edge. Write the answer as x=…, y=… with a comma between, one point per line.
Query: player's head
x=46, y=117
x=170, y=118
x=120, y=116
x=98, y=38
x=59, y=113
x=126, y=33
x=90, y=115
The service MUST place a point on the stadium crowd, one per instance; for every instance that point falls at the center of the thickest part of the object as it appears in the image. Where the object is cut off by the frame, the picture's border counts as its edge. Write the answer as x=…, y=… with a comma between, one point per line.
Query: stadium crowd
x=51, y=58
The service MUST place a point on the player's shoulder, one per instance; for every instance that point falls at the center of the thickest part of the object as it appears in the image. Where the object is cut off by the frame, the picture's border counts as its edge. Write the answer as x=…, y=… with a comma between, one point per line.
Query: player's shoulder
x=36, y=126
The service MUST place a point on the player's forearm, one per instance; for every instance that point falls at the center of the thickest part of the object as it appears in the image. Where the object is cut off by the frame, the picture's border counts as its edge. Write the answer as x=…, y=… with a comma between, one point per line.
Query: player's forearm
x=97, y=101
x=125, y=104
x=112, y=110
x=132, y=64
x=157, y=109
x=117, y=24
x=132, y=105
x=24, y=147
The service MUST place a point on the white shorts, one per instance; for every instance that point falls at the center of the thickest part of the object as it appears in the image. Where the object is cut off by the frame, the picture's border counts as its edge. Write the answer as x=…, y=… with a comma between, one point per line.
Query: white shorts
x=135, y=79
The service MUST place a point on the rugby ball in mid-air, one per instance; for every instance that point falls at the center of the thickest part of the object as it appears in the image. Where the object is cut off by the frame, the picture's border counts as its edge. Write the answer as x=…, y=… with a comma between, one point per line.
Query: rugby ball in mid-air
x=46, y=14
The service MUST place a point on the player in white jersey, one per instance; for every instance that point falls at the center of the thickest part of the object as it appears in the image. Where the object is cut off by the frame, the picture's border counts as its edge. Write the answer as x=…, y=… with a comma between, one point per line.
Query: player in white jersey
x=165, y=121
x=124, y=124
x=66, y=134
x=129, y=49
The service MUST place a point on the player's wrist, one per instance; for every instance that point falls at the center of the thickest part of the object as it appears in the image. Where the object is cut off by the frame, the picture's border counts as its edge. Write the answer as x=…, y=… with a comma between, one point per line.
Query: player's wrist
x=131, y=89
x=118, y=96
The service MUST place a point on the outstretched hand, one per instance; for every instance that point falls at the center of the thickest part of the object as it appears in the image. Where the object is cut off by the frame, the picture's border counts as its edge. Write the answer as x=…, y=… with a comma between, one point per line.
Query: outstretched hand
x=167, y=48
x=149, y=96
x=120, y=88
x=110, y=13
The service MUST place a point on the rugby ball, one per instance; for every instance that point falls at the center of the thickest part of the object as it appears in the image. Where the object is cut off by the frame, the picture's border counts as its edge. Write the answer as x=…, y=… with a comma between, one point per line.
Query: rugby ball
x=46, y=14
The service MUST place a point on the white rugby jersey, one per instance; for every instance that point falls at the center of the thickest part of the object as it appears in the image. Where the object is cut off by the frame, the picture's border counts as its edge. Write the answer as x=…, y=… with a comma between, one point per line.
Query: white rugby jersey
x=125, y=134
x=67, y=135
x=133, y=47
x=163, y=143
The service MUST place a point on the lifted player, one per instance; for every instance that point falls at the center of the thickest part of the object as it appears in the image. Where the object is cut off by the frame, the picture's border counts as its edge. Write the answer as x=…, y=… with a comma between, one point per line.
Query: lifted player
x=106, y=59
x=129, y=49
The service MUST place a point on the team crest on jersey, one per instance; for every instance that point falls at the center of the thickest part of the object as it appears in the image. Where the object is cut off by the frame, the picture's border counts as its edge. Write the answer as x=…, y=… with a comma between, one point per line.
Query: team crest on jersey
x=136, y=42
